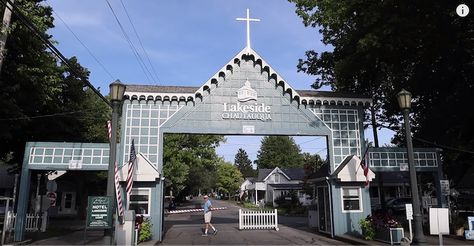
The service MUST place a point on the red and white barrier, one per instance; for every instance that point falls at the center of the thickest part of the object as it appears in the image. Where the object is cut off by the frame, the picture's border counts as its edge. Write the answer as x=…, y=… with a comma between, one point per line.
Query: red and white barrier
x=182, y=211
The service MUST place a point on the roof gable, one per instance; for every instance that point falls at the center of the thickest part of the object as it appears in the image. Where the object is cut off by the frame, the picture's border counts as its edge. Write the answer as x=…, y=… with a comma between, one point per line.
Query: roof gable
x=144, y=170
x=272, y=109
x=350, y=170
x=191, y=94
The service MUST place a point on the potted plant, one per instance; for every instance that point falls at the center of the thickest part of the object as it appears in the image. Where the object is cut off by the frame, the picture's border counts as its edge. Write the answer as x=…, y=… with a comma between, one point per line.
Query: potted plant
x=383, y=227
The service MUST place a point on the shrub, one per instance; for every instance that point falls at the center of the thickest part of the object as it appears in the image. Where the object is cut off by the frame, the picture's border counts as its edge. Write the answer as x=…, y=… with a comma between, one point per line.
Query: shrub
x=368, y=231
x=377, y=222
x=248, y=205
x=383, y=220
x=145, y=233
x=288, y=201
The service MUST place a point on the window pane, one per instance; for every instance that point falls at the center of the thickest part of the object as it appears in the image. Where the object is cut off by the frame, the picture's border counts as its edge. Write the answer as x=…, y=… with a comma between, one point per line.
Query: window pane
x=68, y=201
x=350, y=192
x=351, y=205
x=139, y=208
x=135, y=198
x=351, y=199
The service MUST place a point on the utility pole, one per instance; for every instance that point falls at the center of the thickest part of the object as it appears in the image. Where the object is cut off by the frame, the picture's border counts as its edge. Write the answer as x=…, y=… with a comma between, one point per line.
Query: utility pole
x=376, y=144
x=7, y=15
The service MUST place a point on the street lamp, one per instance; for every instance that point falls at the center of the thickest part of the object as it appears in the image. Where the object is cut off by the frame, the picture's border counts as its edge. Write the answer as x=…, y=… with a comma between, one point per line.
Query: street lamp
x=404, y=101
x=117, y=90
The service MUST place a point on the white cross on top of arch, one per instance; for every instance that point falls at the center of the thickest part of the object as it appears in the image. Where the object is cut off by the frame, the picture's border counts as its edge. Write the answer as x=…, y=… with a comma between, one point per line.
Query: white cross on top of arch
x=248, y=20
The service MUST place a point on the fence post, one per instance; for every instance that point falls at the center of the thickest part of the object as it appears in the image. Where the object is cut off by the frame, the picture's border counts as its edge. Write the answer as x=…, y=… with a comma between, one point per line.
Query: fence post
x=5, y=225
x=11, y=222
x=135, y=240
x=240, y=219
x=44, y=220
x=276, y=220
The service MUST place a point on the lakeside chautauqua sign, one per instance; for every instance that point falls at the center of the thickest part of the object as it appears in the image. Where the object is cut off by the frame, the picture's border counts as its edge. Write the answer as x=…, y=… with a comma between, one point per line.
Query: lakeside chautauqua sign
x=99, y=212
x=241, y=111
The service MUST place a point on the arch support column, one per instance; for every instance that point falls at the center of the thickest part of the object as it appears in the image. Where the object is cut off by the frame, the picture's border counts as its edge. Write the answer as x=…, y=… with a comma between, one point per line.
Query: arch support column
x=22, y=199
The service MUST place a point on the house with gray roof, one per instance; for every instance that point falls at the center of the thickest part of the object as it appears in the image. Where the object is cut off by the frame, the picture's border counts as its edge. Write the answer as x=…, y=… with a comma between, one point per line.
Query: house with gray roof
x=271, y=184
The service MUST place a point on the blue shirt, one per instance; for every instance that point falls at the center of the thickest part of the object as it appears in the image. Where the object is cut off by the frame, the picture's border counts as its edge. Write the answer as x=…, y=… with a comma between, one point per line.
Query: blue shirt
x=207, y=206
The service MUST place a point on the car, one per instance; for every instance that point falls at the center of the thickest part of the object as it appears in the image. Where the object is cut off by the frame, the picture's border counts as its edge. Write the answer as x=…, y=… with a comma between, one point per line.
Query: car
x=398, y=204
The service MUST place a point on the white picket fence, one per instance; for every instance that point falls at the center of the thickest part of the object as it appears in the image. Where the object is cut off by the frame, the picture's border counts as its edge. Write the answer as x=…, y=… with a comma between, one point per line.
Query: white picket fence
x=34, y=222
x=262, y=219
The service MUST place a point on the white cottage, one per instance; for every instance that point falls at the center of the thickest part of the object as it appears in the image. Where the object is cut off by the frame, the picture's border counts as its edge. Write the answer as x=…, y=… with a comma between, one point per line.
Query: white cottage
x=273, y=183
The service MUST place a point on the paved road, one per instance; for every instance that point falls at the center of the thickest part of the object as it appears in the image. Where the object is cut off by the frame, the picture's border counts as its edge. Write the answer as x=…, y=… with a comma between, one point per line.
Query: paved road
x=186, y=229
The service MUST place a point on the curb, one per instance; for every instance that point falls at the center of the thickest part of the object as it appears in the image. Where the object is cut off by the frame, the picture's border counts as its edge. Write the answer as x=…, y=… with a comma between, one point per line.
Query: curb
x=352, y=240
x=24, y=242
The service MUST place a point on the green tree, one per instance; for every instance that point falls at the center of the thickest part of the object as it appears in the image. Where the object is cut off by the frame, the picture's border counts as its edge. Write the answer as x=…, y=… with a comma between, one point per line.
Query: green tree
x=190, y=162
x=312, y=163
x=41, y=99
x=243, y=163
x=380, y=47
x=229, y=178
x=279, y=151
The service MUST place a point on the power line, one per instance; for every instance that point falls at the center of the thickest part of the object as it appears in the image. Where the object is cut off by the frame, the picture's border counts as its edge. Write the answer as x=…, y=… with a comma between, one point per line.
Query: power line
x=132, y=47
x=79, y=40
x=444, y=146
x=316, y=138
x=140, y=41
x=435, y=144
x=51, y=47
x=44, y=115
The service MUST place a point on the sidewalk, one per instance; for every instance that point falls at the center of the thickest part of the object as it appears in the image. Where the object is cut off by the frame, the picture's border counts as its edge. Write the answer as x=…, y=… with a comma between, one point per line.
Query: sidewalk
x=431, y=240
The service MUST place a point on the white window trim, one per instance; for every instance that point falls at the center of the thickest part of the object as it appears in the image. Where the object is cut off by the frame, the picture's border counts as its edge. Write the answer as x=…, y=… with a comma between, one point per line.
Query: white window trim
x=361, y=208
x=149, y=199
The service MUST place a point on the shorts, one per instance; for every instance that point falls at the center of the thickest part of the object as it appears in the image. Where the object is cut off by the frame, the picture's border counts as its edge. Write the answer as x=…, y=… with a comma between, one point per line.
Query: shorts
x=207, y=217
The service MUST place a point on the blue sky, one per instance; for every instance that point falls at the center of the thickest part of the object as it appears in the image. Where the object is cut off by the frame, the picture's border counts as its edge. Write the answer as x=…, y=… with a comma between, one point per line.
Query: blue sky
x=187, y=42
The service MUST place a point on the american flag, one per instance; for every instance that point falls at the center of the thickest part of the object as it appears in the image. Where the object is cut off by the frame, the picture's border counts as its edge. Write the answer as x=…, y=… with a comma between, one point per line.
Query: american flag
x=118, y=191
x=131, y=168
x=365, y=167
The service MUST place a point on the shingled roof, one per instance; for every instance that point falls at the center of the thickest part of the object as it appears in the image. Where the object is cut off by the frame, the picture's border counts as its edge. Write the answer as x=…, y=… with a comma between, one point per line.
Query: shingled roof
x=193, y=89
x=161, y=89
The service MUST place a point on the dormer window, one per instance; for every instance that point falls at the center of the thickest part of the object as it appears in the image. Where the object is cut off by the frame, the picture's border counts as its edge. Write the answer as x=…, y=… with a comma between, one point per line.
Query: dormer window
x=276, y=178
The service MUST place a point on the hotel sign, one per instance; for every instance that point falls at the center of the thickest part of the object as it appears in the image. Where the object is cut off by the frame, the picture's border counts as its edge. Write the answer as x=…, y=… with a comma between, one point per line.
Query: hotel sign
x=244, y=111
x=99, y=212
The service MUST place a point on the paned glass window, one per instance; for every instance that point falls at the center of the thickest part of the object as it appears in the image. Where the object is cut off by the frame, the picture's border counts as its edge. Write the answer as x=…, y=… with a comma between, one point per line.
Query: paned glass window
x=140, y=201
x=276, y=177
x=351, y=200
x=142, y=125
x=345, y=132
x=395, y=159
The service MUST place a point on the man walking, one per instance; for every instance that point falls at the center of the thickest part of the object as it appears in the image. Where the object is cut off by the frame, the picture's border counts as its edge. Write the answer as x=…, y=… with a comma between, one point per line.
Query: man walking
x=207, y=216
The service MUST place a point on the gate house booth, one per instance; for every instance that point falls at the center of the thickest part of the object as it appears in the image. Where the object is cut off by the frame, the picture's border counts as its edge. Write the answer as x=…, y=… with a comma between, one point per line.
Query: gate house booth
x=245, y=97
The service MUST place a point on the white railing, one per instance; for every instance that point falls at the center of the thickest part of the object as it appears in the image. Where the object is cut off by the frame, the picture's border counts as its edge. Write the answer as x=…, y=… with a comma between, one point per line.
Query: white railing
x=262, y=219
x=34, y=222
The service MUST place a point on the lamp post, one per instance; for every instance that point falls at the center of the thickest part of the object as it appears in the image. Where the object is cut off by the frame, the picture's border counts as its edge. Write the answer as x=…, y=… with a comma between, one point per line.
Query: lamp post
x=117, y=90
x=404, y=101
